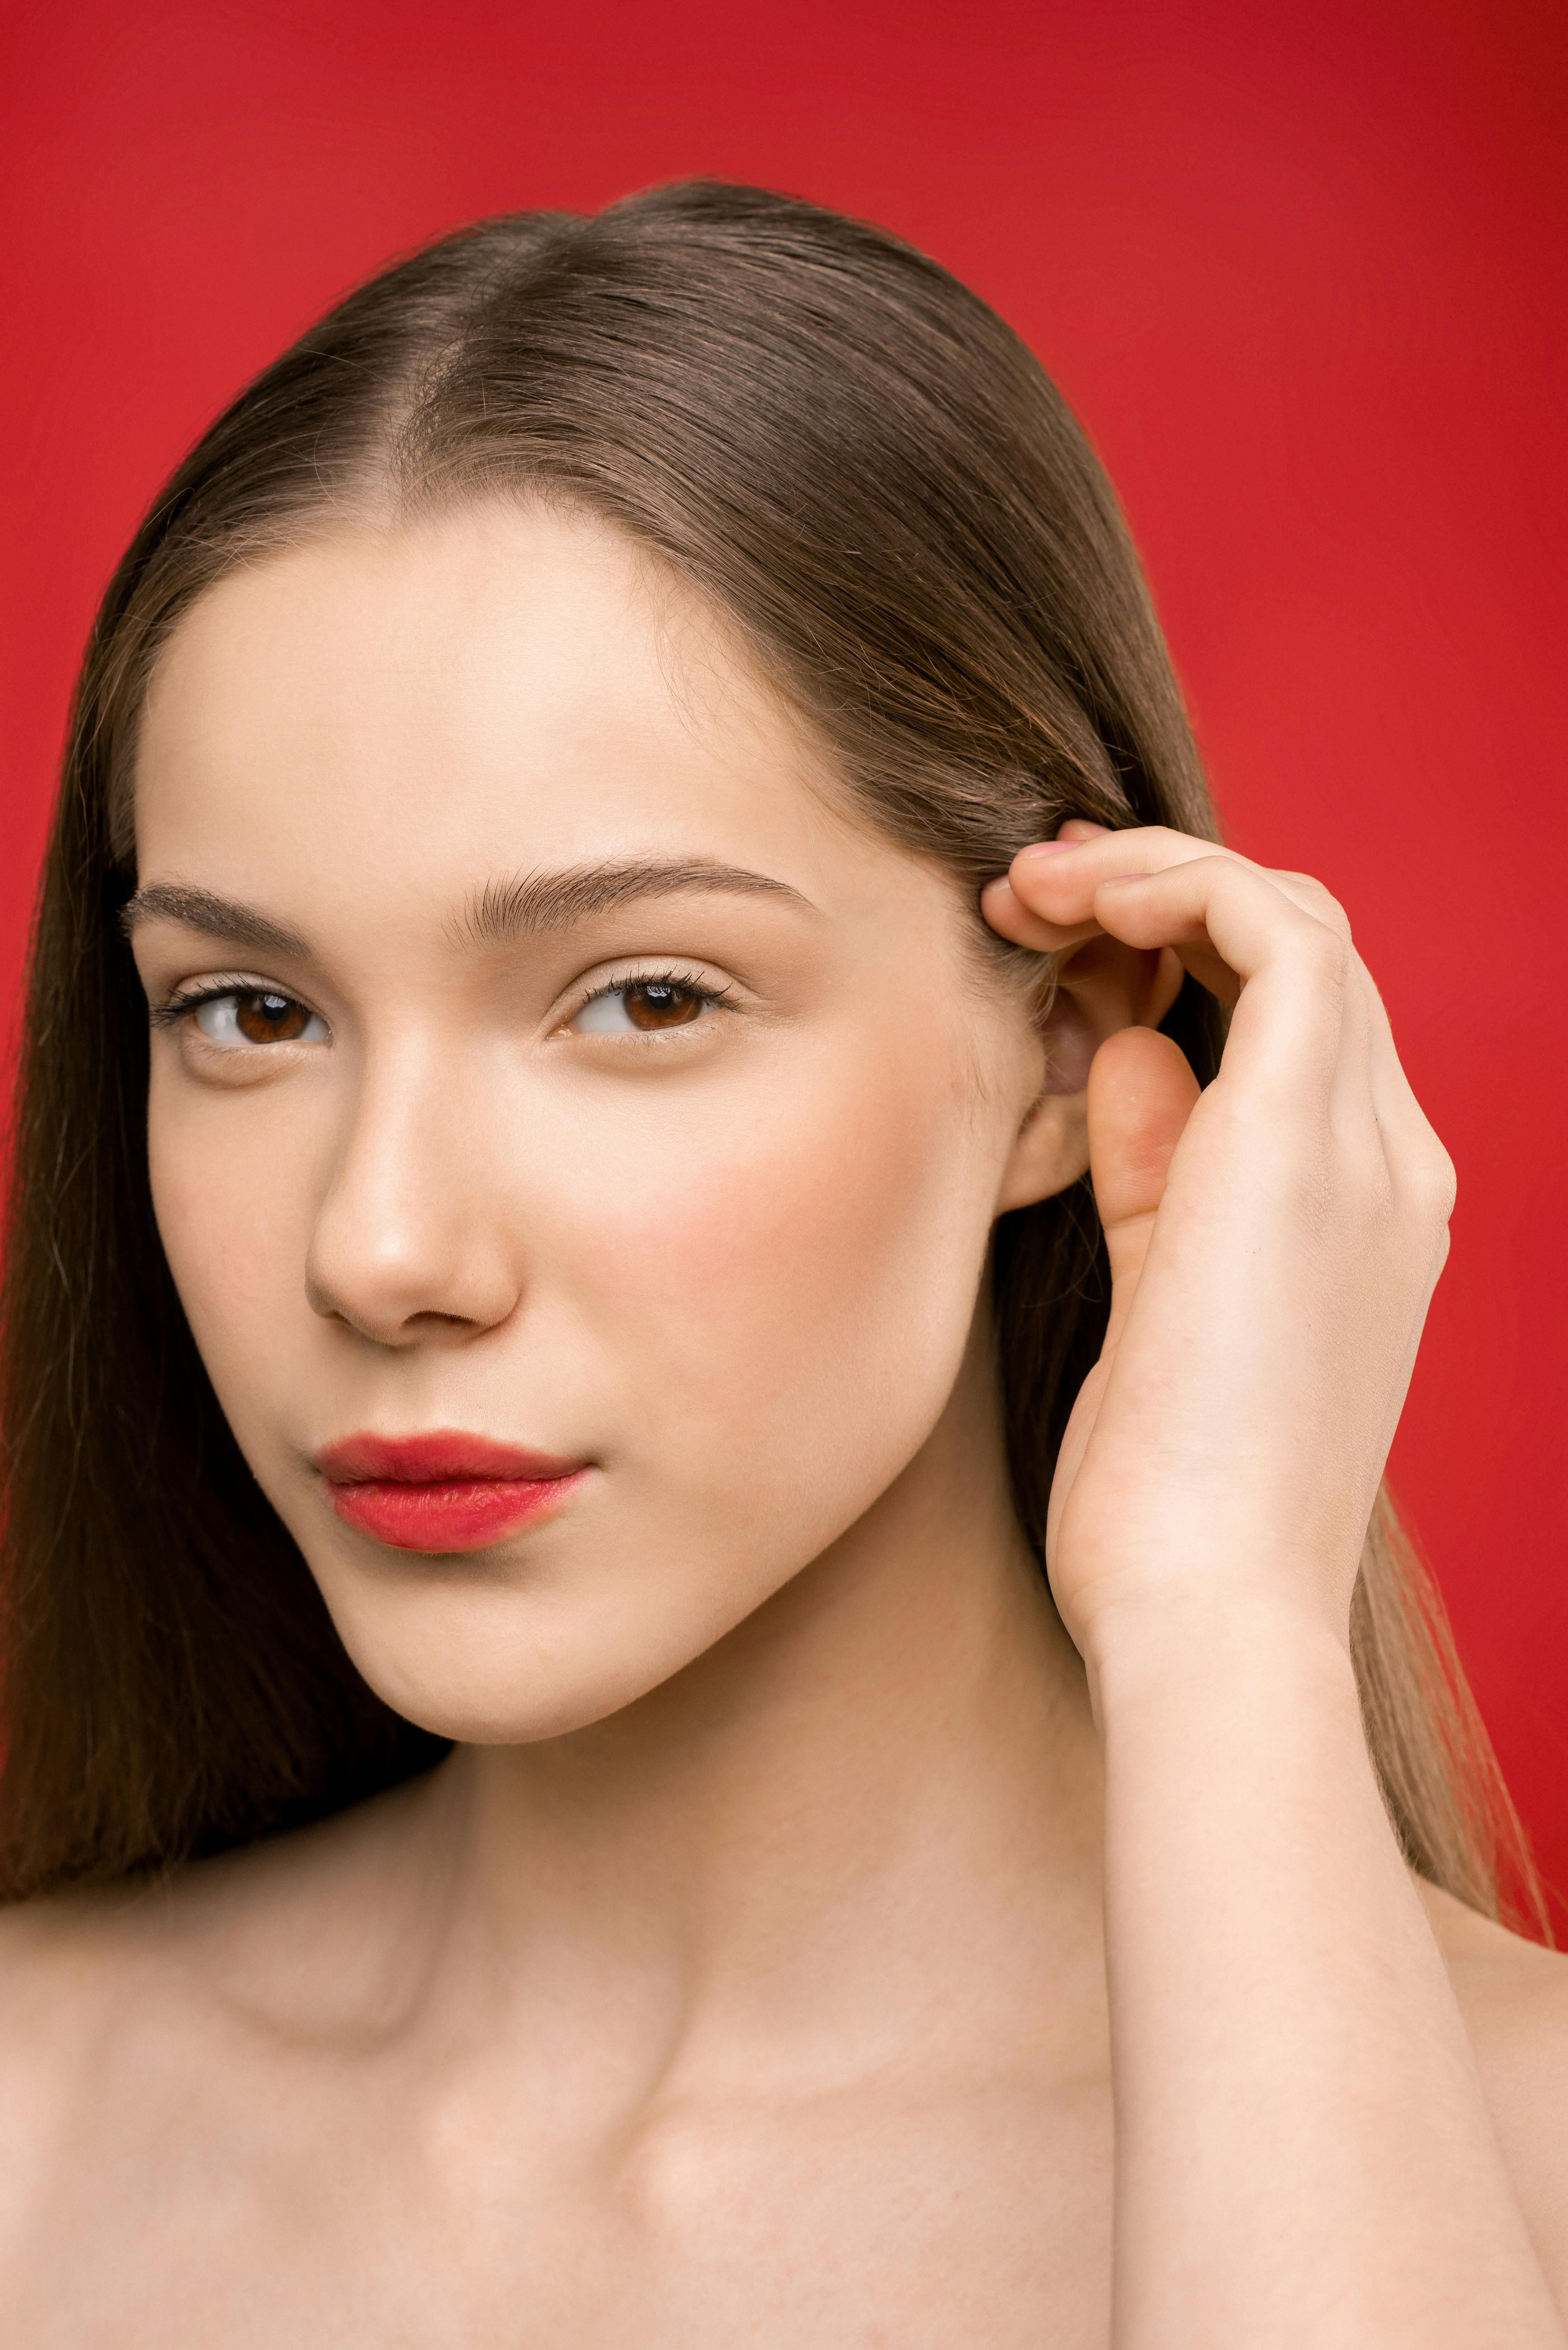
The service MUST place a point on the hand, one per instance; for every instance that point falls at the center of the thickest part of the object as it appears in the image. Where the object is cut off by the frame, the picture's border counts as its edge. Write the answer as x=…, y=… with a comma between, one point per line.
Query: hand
x=1274, y=1242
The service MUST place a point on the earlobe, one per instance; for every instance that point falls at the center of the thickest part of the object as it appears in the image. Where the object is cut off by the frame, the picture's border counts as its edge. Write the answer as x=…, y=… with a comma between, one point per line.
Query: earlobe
x=1052, y=1150
x=1102, y=988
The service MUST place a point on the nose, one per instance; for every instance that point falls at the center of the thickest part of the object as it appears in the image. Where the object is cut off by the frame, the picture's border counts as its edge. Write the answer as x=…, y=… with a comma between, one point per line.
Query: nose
x=412, y=1241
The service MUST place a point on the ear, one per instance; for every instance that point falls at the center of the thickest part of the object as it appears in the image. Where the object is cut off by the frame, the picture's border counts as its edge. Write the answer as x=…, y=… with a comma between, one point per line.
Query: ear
x=1102, y=987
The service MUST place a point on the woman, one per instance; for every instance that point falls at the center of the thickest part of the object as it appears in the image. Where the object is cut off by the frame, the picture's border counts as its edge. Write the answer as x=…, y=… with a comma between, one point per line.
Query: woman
x=556, y=1802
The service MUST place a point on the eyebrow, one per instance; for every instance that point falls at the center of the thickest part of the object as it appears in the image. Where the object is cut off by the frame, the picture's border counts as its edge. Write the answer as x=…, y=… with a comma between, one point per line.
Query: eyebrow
x=503, y=911
x=218, y=917
x=497, y=915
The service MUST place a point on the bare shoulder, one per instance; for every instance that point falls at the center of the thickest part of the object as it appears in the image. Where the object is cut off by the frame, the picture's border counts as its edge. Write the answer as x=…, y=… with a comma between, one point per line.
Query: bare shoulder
x=248, y=1930
x=1513, y=1996
x=69, y=1978
x=65, y=1963
x=126, y=2010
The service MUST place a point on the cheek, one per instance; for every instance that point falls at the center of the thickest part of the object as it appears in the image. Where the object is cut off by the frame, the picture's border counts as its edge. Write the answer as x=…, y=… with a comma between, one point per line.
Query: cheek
x=233, y=1216
x=784, y=1287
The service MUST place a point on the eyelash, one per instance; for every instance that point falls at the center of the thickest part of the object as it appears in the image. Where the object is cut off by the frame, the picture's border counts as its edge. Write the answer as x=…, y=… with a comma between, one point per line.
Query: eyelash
x=179, y=1007
x=720, y=998
x=168, y=1015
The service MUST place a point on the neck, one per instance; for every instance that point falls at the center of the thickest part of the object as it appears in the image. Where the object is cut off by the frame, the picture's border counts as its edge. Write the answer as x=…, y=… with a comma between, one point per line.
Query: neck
x=882, y=1782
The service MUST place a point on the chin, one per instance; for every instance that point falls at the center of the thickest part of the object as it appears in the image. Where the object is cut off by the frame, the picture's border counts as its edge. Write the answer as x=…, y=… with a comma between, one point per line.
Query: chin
x=492, y=1661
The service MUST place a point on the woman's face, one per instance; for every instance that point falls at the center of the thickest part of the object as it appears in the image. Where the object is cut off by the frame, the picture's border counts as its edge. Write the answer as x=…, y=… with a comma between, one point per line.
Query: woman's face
x=577, y=1076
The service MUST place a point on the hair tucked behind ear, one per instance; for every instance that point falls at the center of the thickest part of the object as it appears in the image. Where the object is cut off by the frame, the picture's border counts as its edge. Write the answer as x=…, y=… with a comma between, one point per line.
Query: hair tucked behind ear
x=867, y=470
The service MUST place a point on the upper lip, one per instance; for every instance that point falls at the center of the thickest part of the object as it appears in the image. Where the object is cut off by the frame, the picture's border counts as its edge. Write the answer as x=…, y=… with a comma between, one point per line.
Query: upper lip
x=441, y=1456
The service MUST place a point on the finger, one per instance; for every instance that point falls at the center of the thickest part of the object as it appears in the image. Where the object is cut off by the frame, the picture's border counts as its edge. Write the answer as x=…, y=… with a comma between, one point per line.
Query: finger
x=1013, y=921
x=1036, y=878
x=1370, y=1087
x=1045, y=900
x=1293, y=973
x=1056, y=895
x=1141, y=1095
x=1008, y=915
x=1055, y=881
x=1315, y=1020
x=1418, y=1165
x=1370, y=1100
x=1311, y=1029
x=1142, y=1091
x=1370, y=1074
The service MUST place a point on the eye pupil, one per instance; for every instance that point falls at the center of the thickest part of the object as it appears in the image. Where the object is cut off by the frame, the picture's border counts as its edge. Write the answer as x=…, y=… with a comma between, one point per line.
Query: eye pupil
x=264, y=1018
x=659, y=1004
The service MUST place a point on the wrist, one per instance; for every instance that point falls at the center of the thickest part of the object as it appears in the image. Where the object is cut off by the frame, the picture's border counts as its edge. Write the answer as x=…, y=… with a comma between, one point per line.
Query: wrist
x=1189, y=1644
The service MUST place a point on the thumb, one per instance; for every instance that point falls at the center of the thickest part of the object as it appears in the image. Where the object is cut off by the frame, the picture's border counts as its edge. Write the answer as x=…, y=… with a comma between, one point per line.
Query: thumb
x=1141, y=1095
x=1142, y=1092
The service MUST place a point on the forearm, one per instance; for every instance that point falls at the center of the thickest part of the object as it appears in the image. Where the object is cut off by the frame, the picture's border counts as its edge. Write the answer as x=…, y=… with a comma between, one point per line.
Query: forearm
x=1304, y=2155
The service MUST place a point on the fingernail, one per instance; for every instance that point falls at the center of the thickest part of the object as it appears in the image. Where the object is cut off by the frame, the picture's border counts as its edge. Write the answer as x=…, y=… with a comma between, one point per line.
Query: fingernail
x=1048, y=848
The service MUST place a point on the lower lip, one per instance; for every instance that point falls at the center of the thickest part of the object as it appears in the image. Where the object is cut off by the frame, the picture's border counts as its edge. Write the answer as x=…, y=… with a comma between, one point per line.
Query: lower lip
x=461, y=1513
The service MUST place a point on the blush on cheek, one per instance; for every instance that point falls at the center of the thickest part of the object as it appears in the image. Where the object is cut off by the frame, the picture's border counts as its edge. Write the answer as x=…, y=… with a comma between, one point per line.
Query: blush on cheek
x=233, y=1218
x=805, y=1285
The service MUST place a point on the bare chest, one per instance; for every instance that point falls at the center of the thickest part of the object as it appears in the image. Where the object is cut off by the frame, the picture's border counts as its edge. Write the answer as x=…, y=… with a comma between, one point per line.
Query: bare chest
x=371, y=2218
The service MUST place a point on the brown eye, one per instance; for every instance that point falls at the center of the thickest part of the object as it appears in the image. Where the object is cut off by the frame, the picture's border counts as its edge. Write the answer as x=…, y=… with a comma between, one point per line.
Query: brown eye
x=644, y=1007
x=258, y=1016
x=270, y=1019
x=659, y=1003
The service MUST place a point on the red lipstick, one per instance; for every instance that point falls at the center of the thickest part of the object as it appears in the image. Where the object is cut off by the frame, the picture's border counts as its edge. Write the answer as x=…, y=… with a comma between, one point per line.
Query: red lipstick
x=443, y=1491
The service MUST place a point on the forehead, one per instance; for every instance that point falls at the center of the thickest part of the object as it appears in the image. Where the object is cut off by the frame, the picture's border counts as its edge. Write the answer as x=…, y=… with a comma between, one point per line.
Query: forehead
x=500, y=684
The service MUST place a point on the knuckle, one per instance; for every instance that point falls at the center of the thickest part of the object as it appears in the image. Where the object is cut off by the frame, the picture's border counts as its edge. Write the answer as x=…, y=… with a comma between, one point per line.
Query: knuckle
x=1442, y=1179
x=1180, y=846
x=1428, y=1184
x=1328, y=952
x=1318, y=902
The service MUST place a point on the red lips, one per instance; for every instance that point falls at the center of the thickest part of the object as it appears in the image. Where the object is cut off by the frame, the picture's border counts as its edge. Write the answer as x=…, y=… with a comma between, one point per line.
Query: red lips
x=442, y=1491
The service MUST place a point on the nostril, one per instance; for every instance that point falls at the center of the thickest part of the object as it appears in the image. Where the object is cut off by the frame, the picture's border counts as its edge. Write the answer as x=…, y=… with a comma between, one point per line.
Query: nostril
x=391, y=1306
x=415, y=1238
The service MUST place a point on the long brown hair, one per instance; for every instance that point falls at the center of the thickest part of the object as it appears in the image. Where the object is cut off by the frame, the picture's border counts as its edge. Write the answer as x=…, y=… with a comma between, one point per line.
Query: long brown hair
x=866, y=469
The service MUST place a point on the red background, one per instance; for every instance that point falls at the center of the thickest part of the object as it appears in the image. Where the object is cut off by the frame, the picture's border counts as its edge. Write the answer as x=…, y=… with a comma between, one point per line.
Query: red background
x=1299, y=267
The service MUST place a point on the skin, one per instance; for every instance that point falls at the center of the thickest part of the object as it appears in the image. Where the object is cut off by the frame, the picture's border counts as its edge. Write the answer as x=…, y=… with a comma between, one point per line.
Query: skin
x=807, y=1940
